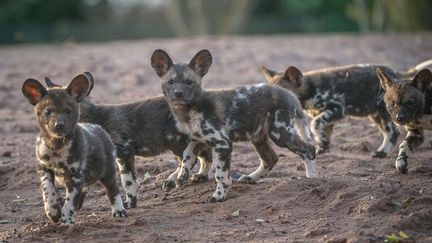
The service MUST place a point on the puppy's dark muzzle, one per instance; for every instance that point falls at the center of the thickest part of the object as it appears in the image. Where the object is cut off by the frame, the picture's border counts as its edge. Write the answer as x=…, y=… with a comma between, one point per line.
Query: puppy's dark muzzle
x=178, y=93
x=401, y=118
x=59, y=128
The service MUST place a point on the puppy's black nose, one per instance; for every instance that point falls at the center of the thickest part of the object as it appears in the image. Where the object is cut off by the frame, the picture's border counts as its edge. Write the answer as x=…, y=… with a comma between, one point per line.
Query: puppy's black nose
x=59, y=126
x=400, y=117
x=178, y=93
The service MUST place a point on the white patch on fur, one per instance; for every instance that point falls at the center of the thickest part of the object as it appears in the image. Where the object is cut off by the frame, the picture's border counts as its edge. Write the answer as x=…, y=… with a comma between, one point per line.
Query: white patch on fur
x=363, y=65
x=66, y=218
x=303, y=130
x=184, y=164
x=144, y=150
x=404, y=147
x=170, y=136
x=118, y=205
x=131, y=189
x=89, y=128
x=223, y=176
x=174, y=175
x=386, y=145
x=290, y=128
x=50, y=198
x=240, y=95
x=204, y=168
x=259, y=172
x=311, y=171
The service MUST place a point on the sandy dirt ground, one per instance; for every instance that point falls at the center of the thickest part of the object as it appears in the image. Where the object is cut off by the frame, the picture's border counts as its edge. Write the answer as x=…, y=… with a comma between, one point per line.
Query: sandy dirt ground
x=355, y=199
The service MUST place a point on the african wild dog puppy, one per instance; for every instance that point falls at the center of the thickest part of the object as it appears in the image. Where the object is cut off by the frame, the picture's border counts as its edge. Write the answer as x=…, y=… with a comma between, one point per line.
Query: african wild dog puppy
x=144, y=128
x=218, y=118
x=328, y=95
x=76, y=154
x=409, y=102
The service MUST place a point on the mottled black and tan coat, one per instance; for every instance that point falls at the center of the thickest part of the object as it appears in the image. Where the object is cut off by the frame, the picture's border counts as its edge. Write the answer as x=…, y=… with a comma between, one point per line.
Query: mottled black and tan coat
x=216, y=119
x=329, y=95
x=76, y=155
x=141, y=128
x=409, y=102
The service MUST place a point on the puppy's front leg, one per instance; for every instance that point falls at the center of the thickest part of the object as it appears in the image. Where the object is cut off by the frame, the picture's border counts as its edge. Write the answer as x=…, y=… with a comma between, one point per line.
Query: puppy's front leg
x=49, y=194
x=74, y=185
x=223, y=179
x=413, y=139
x=188, y=156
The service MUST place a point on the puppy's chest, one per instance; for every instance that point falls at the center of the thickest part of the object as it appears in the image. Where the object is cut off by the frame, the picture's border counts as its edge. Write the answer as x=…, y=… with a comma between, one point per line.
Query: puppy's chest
x=197, y=126
x=59, y=161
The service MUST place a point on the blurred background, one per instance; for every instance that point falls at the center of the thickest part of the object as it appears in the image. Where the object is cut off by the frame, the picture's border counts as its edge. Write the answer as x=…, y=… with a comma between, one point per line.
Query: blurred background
x=26, y=21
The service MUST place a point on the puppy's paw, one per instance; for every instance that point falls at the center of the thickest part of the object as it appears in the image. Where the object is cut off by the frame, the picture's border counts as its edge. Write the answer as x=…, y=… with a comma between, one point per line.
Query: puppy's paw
x=199, y=178
x=379, y=154
x=213, y=199
x=53, y=212
x=67, y=221
x=120, y=213
x=321, y=150
x=168, y=185
x=401, y=165
x=246, y=179
x=183, y=177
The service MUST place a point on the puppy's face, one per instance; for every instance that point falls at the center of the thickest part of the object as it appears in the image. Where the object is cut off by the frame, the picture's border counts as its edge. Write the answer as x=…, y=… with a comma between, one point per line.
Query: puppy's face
x=57, y=108
x=404, y=99
x=291, y=79
x=181, y=83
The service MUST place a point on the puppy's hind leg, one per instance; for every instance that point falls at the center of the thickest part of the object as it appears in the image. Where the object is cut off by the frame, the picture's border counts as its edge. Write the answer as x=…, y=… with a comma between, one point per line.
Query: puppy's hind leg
x=205, y=159
x=283, y=133
x=126, y=163
x=112, y=191
x=302, y=127
x=82, y=196
x=334, y=111
x=170, y=182
x=268, y=158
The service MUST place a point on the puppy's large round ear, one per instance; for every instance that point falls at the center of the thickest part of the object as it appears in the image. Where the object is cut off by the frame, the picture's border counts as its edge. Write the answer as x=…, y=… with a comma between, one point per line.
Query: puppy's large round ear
x=91, y=80
x=161, y=62
x=201, y=62
x=294, y=74
x=422, y=80
x=50, y=83
x=33, y=90
x=269, y=74
x=79, y=87
x=385, y=80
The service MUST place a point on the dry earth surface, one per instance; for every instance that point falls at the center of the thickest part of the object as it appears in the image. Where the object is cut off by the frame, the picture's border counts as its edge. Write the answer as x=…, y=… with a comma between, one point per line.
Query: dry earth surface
x=355, y=199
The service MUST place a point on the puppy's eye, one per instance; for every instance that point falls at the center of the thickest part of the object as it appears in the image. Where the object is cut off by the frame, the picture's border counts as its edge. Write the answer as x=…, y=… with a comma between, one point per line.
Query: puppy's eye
x=170, y=81
x=188, y=81
x=392, y=104
x=47, y=112
x=68, y=110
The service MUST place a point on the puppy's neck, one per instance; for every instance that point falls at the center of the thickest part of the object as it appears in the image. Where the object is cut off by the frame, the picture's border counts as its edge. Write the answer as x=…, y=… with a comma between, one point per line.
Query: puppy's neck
x=182, y=112
x=56, y=143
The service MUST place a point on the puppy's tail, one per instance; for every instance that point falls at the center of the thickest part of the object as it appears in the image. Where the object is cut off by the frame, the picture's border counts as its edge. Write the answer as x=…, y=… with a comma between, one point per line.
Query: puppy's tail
x=420, y=66
x=302, y=127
